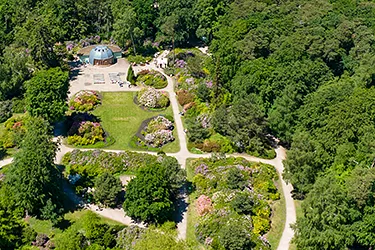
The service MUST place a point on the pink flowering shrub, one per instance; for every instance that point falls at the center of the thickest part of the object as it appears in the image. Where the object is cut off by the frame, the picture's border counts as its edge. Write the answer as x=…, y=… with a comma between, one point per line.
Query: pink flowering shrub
x=85, y=133
x=152, y=98
x=84, y=101
x=203, y=205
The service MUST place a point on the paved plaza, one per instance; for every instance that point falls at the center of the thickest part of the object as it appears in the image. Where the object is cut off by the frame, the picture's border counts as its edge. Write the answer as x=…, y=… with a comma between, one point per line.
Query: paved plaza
x=100, y=78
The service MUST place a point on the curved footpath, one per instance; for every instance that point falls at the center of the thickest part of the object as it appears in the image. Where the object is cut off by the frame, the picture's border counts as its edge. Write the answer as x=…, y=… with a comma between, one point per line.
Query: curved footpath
x=182, y=156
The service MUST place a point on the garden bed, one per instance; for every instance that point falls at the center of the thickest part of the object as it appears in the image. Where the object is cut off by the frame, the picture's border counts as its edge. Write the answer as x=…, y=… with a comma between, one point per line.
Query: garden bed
x=141, y=137
x=214, y=195
x=151, y=78
x=151, y=109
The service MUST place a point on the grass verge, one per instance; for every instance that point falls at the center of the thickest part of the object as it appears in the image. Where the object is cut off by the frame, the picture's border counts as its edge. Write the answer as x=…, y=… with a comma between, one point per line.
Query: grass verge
x=192, y=216
x=299, y=214
x=278, y=218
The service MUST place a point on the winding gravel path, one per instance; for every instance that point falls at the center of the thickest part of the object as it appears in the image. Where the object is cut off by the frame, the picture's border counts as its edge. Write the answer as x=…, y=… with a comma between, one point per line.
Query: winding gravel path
x=182, y=156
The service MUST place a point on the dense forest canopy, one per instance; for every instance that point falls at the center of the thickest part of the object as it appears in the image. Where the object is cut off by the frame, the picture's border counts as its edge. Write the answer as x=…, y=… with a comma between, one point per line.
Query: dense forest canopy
x=300, y=70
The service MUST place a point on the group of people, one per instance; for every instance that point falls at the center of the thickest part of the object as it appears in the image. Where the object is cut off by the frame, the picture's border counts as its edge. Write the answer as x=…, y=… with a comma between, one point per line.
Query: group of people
x=121, y=83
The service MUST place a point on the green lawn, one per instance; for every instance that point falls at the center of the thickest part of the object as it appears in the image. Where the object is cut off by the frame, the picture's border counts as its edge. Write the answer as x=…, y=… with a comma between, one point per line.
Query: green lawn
x=121, y=118
x=277, y=219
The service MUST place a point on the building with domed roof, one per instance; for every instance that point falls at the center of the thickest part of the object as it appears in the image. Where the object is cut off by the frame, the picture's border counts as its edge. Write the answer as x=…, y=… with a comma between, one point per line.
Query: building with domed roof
x=100, y=54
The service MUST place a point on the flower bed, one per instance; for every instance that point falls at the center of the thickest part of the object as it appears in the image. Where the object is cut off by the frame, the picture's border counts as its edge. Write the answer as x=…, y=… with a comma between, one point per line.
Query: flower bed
x=152, y=78
x=84, y=101
x=84, y=130
x=152, y=98
x=83, y=166
x=96, y=162
x=157, y=132
x=85, y=133
x=233, y=194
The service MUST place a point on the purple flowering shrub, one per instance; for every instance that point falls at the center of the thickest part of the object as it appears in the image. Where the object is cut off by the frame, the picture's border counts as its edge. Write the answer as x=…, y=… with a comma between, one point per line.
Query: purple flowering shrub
x=180, y=63
x=221, y=201
x=84, y=101
x=158, y=132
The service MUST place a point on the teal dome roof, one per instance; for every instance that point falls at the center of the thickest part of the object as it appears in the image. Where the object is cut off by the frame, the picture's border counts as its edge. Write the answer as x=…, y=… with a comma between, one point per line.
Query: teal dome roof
x=100, y=53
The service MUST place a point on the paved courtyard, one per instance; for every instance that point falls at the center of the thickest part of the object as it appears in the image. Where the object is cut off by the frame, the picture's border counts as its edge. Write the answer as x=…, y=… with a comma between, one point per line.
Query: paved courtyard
x=100, y=78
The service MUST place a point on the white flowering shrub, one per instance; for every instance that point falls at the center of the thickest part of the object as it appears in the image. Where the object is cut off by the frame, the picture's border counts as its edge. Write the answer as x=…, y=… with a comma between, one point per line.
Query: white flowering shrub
x=152, y=98
x=159, y=132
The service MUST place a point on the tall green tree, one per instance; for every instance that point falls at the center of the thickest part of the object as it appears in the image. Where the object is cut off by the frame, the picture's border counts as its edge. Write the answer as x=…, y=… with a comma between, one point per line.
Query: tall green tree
x=125, y=28
x=328, y=216
x=11, y=229
x=46, y=94
x=149, y=197
x=107, y=189
x=244, y=123
x=33, y=179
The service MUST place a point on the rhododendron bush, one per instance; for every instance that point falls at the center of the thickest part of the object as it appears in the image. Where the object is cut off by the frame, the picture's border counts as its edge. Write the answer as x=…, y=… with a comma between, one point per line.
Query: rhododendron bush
x=85, y=133
x=203, y=205
x=84, y=101
x=152, y=98
x=158, y=132
x=152, y=78
x=233, y=195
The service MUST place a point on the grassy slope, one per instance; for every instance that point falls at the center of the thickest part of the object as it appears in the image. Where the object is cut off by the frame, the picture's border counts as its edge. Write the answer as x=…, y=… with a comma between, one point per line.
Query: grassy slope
x=277, y=219
x=299, y=214
x=122, y=118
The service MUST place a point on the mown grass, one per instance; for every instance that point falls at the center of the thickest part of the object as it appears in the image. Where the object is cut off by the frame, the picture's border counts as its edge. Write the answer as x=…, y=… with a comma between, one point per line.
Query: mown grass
x=121, y=118
x=278, y=218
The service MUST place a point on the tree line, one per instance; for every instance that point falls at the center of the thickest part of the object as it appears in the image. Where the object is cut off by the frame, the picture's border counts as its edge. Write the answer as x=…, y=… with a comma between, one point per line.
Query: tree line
x=308, y=66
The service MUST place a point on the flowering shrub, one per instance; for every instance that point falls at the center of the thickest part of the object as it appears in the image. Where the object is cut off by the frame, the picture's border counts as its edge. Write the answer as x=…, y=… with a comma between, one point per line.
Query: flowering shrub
x=203, y=205
x=90, y=40
x=184, y=97
x=159, y=123
x=14, y=131
x=159, y=138
x=201, y=169
x=209, y=84
x=152, y=78
x=180, y=63
x=84, y=101
x=158, y=132
x=85, y=133
x=152, y=98
x=89, y=164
